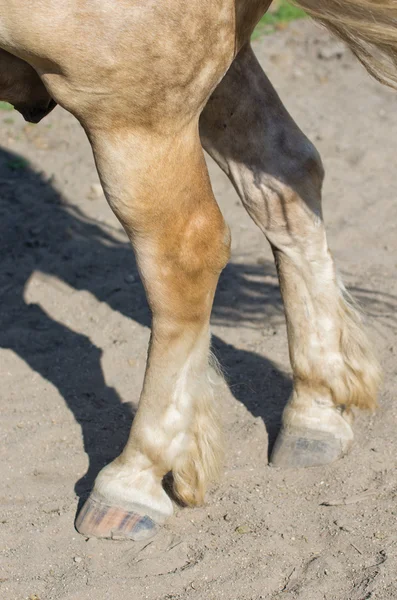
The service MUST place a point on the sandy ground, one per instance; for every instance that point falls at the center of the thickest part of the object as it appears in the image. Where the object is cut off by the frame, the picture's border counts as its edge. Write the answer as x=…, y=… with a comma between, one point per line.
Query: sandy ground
x=74, y=332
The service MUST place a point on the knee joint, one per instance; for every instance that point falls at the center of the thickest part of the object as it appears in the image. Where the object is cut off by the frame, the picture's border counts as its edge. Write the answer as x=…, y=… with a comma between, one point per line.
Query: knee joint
x=205, y=243
x=303, y=165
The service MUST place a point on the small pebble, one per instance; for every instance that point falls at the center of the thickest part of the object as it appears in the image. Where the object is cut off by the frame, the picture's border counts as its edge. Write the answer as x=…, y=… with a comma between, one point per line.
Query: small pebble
x=130, y=278
x=332, y=51
x=77, y=559
x=95, y=191
x=242, y=529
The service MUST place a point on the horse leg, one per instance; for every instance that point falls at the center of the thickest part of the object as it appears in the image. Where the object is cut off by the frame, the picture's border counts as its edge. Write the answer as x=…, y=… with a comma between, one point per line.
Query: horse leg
x=160, y=191
x=278, y=175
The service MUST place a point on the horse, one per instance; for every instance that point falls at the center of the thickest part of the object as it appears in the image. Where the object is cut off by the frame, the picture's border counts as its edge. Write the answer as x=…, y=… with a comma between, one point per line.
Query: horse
x=153, y=83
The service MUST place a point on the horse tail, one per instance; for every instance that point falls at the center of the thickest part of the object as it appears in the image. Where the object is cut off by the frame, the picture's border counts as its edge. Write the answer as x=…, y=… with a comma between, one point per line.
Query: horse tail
x=369, y=27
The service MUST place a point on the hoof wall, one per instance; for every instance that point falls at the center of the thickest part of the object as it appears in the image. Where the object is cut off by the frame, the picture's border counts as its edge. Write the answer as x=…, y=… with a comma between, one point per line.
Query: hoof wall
x=295, y=448
x=97, y=519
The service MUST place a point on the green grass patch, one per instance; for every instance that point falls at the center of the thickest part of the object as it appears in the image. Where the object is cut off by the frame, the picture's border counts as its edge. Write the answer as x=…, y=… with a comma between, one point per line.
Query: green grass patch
x=17, y=164
x=271, y=21
x=5, y=106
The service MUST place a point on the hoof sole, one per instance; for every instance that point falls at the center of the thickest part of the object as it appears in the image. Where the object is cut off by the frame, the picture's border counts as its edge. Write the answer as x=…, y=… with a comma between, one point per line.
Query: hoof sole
x=298, y=448
x=97, y=519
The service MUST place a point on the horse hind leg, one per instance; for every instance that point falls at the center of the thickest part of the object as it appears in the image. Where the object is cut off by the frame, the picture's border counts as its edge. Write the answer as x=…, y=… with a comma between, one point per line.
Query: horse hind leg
x=278, y=174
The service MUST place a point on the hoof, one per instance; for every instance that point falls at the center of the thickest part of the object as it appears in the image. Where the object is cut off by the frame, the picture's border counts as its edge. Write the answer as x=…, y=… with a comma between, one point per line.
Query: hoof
x=98, y=519
x=295, y=448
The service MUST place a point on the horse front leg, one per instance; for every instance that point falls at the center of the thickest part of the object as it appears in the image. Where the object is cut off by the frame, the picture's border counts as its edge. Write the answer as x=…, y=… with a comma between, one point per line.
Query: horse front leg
x=278, y=174
x=160, y=191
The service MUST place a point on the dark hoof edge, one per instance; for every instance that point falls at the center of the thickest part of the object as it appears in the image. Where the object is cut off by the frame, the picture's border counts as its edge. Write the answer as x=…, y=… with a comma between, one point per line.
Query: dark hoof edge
x=295, y=448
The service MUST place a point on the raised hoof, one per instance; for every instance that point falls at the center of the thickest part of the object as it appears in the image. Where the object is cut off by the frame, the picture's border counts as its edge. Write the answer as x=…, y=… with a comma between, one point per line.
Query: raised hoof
x=296, y=448
x=98, y=519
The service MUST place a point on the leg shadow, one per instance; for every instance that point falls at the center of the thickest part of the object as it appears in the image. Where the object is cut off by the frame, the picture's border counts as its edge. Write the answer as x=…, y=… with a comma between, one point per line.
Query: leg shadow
x=75, y=370
x=255, y=382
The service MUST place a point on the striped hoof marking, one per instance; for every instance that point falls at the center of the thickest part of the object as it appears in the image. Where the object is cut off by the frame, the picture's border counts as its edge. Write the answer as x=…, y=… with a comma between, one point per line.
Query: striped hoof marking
x=98, y=519
x=295, y=448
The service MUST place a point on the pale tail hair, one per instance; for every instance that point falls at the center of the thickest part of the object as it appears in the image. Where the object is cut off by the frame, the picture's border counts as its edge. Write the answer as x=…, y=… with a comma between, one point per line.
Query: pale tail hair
x=369, y=27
